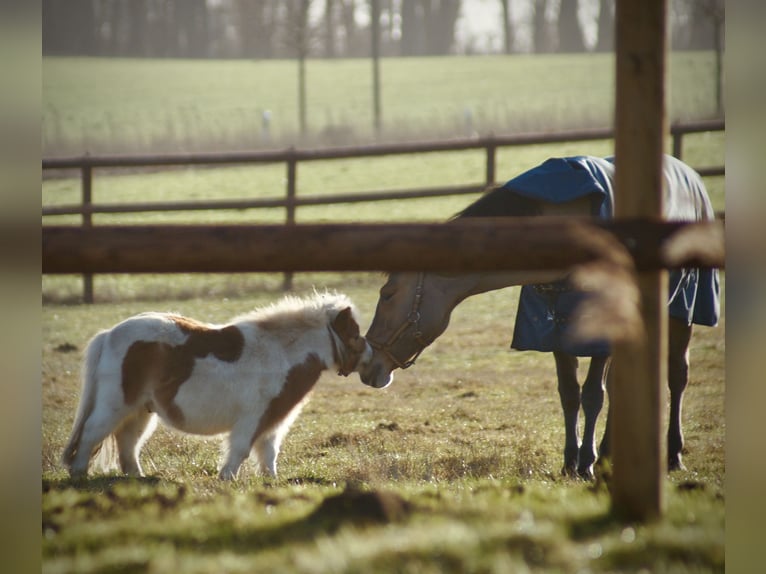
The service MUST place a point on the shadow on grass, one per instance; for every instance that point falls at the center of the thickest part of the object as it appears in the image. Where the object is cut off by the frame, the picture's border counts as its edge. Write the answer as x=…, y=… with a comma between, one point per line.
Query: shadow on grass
x=582, y=529
x=101, y=498
x=351, y=507
x=98, y=483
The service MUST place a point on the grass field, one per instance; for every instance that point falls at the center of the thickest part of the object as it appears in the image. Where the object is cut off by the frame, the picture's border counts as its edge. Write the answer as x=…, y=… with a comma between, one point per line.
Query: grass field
x=102, y=105
x=470, y=441
x=105, y=105
x=454, y=467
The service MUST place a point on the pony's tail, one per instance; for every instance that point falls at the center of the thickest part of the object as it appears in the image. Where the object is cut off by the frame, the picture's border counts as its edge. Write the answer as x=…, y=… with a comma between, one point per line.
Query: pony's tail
x=107, y=456
x=87, y=398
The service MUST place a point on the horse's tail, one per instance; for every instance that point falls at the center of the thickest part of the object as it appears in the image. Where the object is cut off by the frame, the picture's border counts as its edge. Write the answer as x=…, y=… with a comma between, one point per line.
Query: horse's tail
x=87, y=397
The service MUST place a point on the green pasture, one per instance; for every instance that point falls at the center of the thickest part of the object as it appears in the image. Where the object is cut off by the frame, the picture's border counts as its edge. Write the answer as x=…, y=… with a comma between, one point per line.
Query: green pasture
x=455, y=466
x=103, y=105
x=95, y=105
x=460, y=457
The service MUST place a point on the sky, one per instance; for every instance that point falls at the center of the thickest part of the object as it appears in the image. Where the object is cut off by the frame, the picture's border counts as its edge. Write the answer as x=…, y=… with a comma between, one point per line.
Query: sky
x=481, y=19
x=479, y=23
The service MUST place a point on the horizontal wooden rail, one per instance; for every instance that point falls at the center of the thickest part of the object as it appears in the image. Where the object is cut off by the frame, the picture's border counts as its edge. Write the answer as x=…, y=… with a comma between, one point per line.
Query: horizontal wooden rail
x=261, y=203
x=340, y=152
x=292, y=157
x=710, y=171
x=466, y=245
x=356, y=151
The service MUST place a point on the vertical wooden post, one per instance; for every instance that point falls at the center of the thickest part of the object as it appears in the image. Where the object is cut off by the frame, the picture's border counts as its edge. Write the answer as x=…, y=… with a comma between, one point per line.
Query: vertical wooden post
x=375, y=50
x=303, y=49
x=87, y=221
x=678, y=142
x=491, y=155
x=640, y=368
x=287, y=281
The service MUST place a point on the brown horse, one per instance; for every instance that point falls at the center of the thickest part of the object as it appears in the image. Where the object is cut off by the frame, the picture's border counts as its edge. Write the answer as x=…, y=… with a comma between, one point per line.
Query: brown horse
x=414, y=308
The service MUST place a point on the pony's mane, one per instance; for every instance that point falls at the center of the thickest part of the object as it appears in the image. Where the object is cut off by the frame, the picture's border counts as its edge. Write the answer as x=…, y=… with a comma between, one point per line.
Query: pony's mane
x=293, y=312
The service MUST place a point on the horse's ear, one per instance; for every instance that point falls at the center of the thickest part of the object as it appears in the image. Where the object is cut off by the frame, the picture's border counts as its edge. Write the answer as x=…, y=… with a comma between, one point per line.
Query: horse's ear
x=345, y=325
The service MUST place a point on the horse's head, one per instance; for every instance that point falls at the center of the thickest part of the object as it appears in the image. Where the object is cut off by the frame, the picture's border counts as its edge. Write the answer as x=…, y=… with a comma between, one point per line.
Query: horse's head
x=353, y=351
x=413, y=310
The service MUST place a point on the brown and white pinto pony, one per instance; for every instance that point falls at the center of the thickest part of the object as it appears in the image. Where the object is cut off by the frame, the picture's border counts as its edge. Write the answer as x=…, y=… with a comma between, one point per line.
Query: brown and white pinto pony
x=248, y=378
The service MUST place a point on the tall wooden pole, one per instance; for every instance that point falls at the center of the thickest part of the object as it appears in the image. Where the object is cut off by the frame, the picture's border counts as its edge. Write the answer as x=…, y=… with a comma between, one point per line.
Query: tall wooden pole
x=640, y=368
x=302, y=39
x=375, y=37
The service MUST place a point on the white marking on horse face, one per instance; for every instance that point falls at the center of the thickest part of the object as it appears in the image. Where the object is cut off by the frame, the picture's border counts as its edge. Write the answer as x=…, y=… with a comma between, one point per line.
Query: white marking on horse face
x=381, y=382
x=376, y=372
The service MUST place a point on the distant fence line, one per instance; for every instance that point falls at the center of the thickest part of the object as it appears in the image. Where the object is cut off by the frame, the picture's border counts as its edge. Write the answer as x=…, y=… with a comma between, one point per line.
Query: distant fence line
x=291, y=157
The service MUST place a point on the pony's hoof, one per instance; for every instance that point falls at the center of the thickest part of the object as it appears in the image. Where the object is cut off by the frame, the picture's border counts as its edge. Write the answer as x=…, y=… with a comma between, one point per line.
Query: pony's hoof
x=227, y=474
x=78, y=474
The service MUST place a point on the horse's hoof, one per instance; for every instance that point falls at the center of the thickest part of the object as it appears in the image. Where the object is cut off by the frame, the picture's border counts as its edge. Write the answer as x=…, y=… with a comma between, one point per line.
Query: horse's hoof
x=569, y=471
x=586, y=473
x=675, y=464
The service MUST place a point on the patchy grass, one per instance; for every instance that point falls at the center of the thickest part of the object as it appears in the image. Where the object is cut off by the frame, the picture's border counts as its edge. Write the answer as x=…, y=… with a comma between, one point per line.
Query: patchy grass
x=453, y=468
x=457, y=464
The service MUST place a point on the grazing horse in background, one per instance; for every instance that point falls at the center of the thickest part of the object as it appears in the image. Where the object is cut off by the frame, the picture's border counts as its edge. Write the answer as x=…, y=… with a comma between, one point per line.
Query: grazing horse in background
x=414, y=308
x=249, y=378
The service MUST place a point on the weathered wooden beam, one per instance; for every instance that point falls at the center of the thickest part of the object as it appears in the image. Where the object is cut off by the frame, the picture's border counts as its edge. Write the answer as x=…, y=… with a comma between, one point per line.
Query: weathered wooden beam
x=276, y=202
x=639, y=368
x=464, y=245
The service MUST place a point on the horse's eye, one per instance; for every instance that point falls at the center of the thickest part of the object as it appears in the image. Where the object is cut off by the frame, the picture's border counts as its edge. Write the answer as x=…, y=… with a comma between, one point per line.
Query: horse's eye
x=386, y=295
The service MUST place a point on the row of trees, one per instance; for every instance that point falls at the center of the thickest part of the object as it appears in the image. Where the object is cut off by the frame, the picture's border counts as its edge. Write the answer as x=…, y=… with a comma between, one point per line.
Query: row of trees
x=341, y=28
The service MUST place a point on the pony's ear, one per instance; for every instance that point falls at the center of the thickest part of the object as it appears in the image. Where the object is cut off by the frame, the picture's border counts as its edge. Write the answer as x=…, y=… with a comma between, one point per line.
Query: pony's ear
x=345, y=325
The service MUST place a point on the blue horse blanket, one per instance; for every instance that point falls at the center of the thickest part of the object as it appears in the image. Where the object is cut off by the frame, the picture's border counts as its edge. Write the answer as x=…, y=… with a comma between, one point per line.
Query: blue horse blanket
x=544, y=312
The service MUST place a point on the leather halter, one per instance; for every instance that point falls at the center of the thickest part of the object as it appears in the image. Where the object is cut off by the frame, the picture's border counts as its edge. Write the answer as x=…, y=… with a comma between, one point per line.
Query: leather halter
x=413, y=320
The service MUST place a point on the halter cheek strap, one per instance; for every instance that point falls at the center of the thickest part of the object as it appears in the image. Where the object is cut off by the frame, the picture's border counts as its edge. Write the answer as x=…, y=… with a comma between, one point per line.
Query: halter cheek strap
x=413, y=320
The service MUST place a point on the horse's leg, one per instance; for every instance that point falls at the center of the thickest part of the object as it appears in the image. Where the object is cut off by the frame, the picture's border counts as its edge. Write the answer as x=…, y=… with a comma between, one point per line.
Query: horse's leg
x=592, y=402
x=605, y=448
x=267, y=449
x=240, y=444
x=131, y=435
x=679, y=335
x=569, y=393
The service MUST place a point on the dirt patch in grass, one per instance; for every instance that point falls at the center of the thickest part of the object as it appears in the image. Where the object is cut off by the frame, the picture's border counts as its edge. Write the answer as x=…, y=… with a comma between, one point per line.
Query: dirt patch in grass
x=362, y=507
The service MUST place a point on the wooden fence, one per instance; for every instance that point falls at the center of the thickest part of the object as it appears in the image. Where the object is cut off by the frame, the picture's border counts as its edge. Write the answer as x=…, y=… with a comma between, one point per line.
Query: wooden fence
x=292, y=157
x=542, y=243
